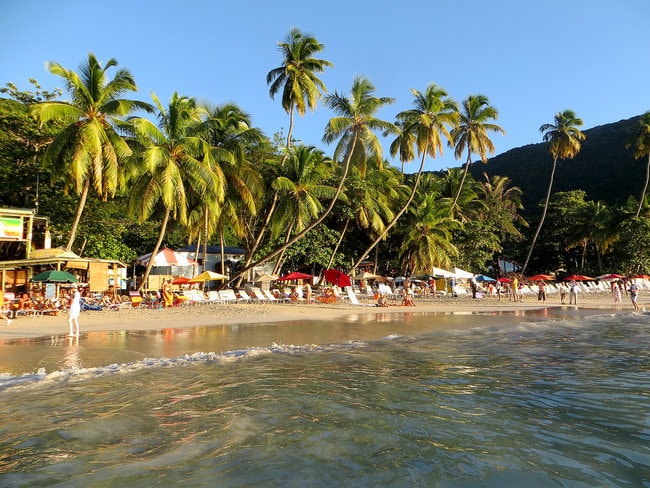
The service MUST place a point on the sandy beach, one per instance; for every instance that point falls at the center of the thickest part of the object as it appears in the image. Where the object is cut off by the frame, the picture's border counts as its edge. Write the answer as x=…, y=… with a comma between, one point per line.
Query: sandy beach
x=132, y=319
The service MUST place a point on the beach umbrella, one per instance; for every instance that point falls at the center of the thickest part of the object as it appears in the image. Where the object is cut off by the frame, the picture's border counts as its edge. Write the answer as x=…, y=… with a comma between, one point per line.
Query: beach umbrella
x=54, y=276
x=640, y=277
x=577, y=277
x=167, y=257
x=181, y=280
x=503, y=279
x=611, y=276
x=265, y=278
x=540, y=277
x=365, y=276
x=461, y=273
x=207, y=276
x=337, y=278
x=295, y=276
x=483, y=278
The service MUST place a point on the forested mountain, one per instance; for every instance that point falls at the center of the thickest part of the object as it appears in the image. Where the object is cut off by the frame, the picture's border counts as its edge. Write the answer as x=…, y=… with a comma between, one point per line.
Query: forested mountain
x=605, y=169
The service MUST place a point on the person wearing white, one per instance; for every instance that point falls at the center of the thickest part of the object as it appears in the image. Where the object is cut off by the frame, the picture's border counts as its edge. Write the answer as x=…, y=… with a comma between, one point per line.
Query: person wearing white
x=75, y=310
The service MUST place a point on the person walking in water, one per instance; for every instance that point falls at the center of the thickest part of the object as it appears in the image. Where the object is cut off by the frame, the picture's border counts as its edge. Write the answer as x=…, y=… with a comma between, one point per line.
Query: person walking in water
x=75, y=311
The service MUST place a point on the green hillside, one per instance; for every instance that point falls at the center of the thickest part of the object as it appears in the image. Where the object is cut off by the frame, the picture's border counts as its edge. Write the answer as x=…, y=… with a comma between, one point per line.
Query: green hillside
x=605, y=169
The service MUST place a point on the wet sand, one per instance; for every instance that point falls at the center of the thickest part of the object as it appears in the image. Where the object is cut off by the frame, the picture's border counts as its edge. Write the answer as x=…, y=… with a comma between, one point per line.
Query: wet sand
x=130, y=319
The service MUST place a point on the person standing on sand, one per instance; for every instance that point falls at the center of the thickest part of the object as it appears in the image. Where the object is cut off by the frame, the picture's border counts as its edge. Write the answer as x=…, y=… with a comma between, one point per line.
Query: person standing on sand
x=307, y=290
x=616, y=291
x=541, y=295
x=167, y=295
x=75, y=311
x=563, y=290
x=634, y=294
x=3, y=315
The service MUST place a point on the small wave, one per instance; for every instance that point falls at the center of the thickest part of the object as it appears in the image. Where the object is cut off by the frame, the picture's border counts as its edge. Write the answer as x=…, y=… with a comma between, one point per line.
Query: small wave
x=75, y=375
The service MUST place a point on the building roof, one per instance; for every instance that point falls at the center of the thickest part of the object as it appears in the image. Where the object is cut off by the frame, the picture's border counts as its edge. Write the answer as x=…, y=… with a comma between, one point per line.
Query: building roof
x=214, y=250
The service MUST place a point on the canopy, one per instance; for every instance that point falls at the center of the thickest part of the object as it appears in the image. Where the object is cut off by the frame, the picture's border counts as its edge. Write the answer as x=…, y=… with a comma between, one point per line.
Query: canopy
x=181, y=280
x=167, y=257
x=462, y=274
x=443, y=273
x=503, y=279
x=265, y=278
x=295, y=276
x=207, y=276
x=577, y=277
x=611, y=276
x=54, y=276
x=540, y=277
x=337, y=277
x=483, y=278
x=366, y=276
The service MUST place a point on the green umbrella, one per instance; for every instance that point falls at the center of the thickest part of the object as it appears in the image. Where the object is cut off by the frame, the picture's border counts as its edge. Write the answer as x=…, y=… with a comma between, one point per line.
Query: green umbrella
x=55, y=276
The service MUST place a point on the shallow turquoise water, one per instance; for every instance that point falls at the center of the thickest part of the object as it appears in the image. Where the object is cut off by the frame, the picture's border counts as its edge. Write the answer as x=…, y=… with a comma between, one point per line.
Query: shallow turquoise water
x=537, y=400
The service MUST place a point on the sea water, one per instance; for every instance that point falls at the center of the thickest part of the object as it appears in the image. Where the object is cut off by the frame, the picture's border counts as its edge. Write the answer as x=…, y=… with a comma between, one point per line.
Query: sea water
x=554, y=399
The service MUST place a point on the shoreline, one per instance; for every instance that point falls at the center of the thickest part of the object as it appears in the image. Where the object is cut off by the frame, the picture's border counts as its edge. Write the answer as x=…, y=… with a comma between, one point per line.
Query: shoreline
x=132, y=319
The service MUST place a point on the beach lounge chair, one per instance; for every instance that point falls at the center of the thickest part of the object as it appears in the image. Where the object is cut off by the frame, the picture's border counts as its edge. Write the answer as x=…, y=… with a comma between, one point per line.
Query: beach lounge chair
x=196, y=297
x=352, y=296
x=228, y=295
x=244, y=296
x=213, y=297
x=258, y=295
x=271, y=297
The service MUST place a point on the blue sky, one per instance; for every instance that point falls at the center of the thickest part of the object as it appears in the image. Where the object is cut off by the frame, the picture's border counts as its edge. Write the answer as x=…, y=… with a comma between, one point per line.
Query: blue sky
x=532, y=59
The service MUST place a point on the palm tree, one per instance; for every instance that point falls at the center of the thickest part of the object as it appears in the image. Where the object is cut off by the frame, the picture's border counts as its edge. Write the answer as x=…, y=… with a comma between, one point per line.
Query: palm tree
x=427, y=125
x=563, y=138
x=300, y=190
x=503, y=203
x=472, y=133
x=354, y=126
x=296, y=77
x=88, y=149
x=176, y=161
x=641, y=141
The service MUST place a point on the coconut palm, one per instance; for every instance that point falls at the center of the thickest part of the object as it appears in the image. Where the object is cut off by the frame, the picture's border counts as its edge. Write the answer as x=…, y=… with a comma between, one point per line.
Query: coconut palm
x=300, y=189
x=88, y=149
x=176, y=160
x=296, y=77
x=641, y=142
x=502, y=203
x=354, y=126
x=564, y=142
x=426, y=125
x=471, y=134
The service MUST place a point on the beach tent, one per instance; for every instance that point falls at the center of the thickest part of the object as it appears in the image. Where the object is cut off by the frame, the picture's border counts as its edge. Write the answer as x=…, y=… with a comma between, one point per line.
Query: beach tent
x=442, y=273
x=461, y=273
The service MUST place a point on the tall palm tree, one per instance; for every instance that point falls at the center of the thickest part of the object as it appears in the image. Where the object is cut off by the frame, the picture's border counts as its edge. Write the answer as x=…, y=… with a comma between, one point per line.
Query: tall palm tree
x=471, y=134
x=503, y=203
x=88, y=149
x=641, y=141
x=354, y=126
x=176, y=160
x=564, y=142
x=300, y=188
x=296, y=77
x=427, y=125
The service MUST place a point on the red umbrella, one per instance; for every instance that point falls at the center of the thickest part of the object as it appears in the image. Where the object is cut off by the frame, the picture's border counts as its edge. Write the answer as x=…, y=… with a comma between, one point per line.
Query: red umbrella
x=295, y=276
x=577, y=277
x=640, y=276
x=612, y=276
x=337, y=278
x=181, y=280
x=505, y=280
x=540, y=277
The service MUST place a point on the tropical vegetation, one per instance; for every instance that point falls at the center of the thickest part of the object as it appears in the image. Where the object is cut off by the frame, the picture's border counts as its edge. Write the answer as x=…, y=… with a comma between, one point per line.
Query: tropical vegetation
x=194, y=172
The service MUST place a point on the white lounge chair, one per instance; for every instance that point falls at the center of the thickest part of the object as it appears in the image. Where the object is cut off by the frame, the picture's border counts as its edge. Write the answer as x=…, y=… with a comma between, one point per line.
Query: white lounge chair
x=244, y=296
x=228, y=295
x=258, y=295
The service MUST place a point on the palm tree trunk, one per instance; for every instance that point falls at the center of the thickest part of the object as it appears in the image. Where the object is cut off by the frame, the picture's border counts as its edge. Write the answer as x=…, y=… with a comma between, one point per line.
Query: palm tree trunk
x=222, y=254
x=399, y=214
x=645, y=187
x=316, y=222
x=205, y=238
x=462, y=181
x=196, y=254
x=338, y=243
x=278, y=264
x=541, y=222
x=77, y=217
x=161, y=235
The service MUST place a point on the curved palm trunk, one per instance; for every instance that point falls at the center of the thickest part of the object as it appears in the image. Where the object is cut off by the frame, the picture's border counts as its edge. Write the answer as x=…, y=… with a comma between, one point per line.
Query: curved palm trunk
x=196, y=254
x=161, y=235
x=278, y=264
x=205, y=237
x=399, y=214
x=645, y=187
x=77, y=217
x=338, y=244
x=316, y=222
x=462, y=181
x=269, y=214
x=541, y=222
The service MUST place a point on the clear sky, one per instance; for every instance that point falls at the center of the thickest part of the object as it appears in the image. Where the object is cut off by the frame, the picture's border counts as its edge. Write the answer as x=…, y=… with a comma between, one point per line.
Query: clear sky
x=531, y=58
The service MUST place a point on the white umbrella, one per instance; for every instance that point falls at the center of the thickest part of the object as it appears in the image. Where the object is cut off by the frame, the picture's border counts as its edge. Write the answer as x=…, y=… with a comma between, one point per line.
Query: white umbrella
x=167, y=257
